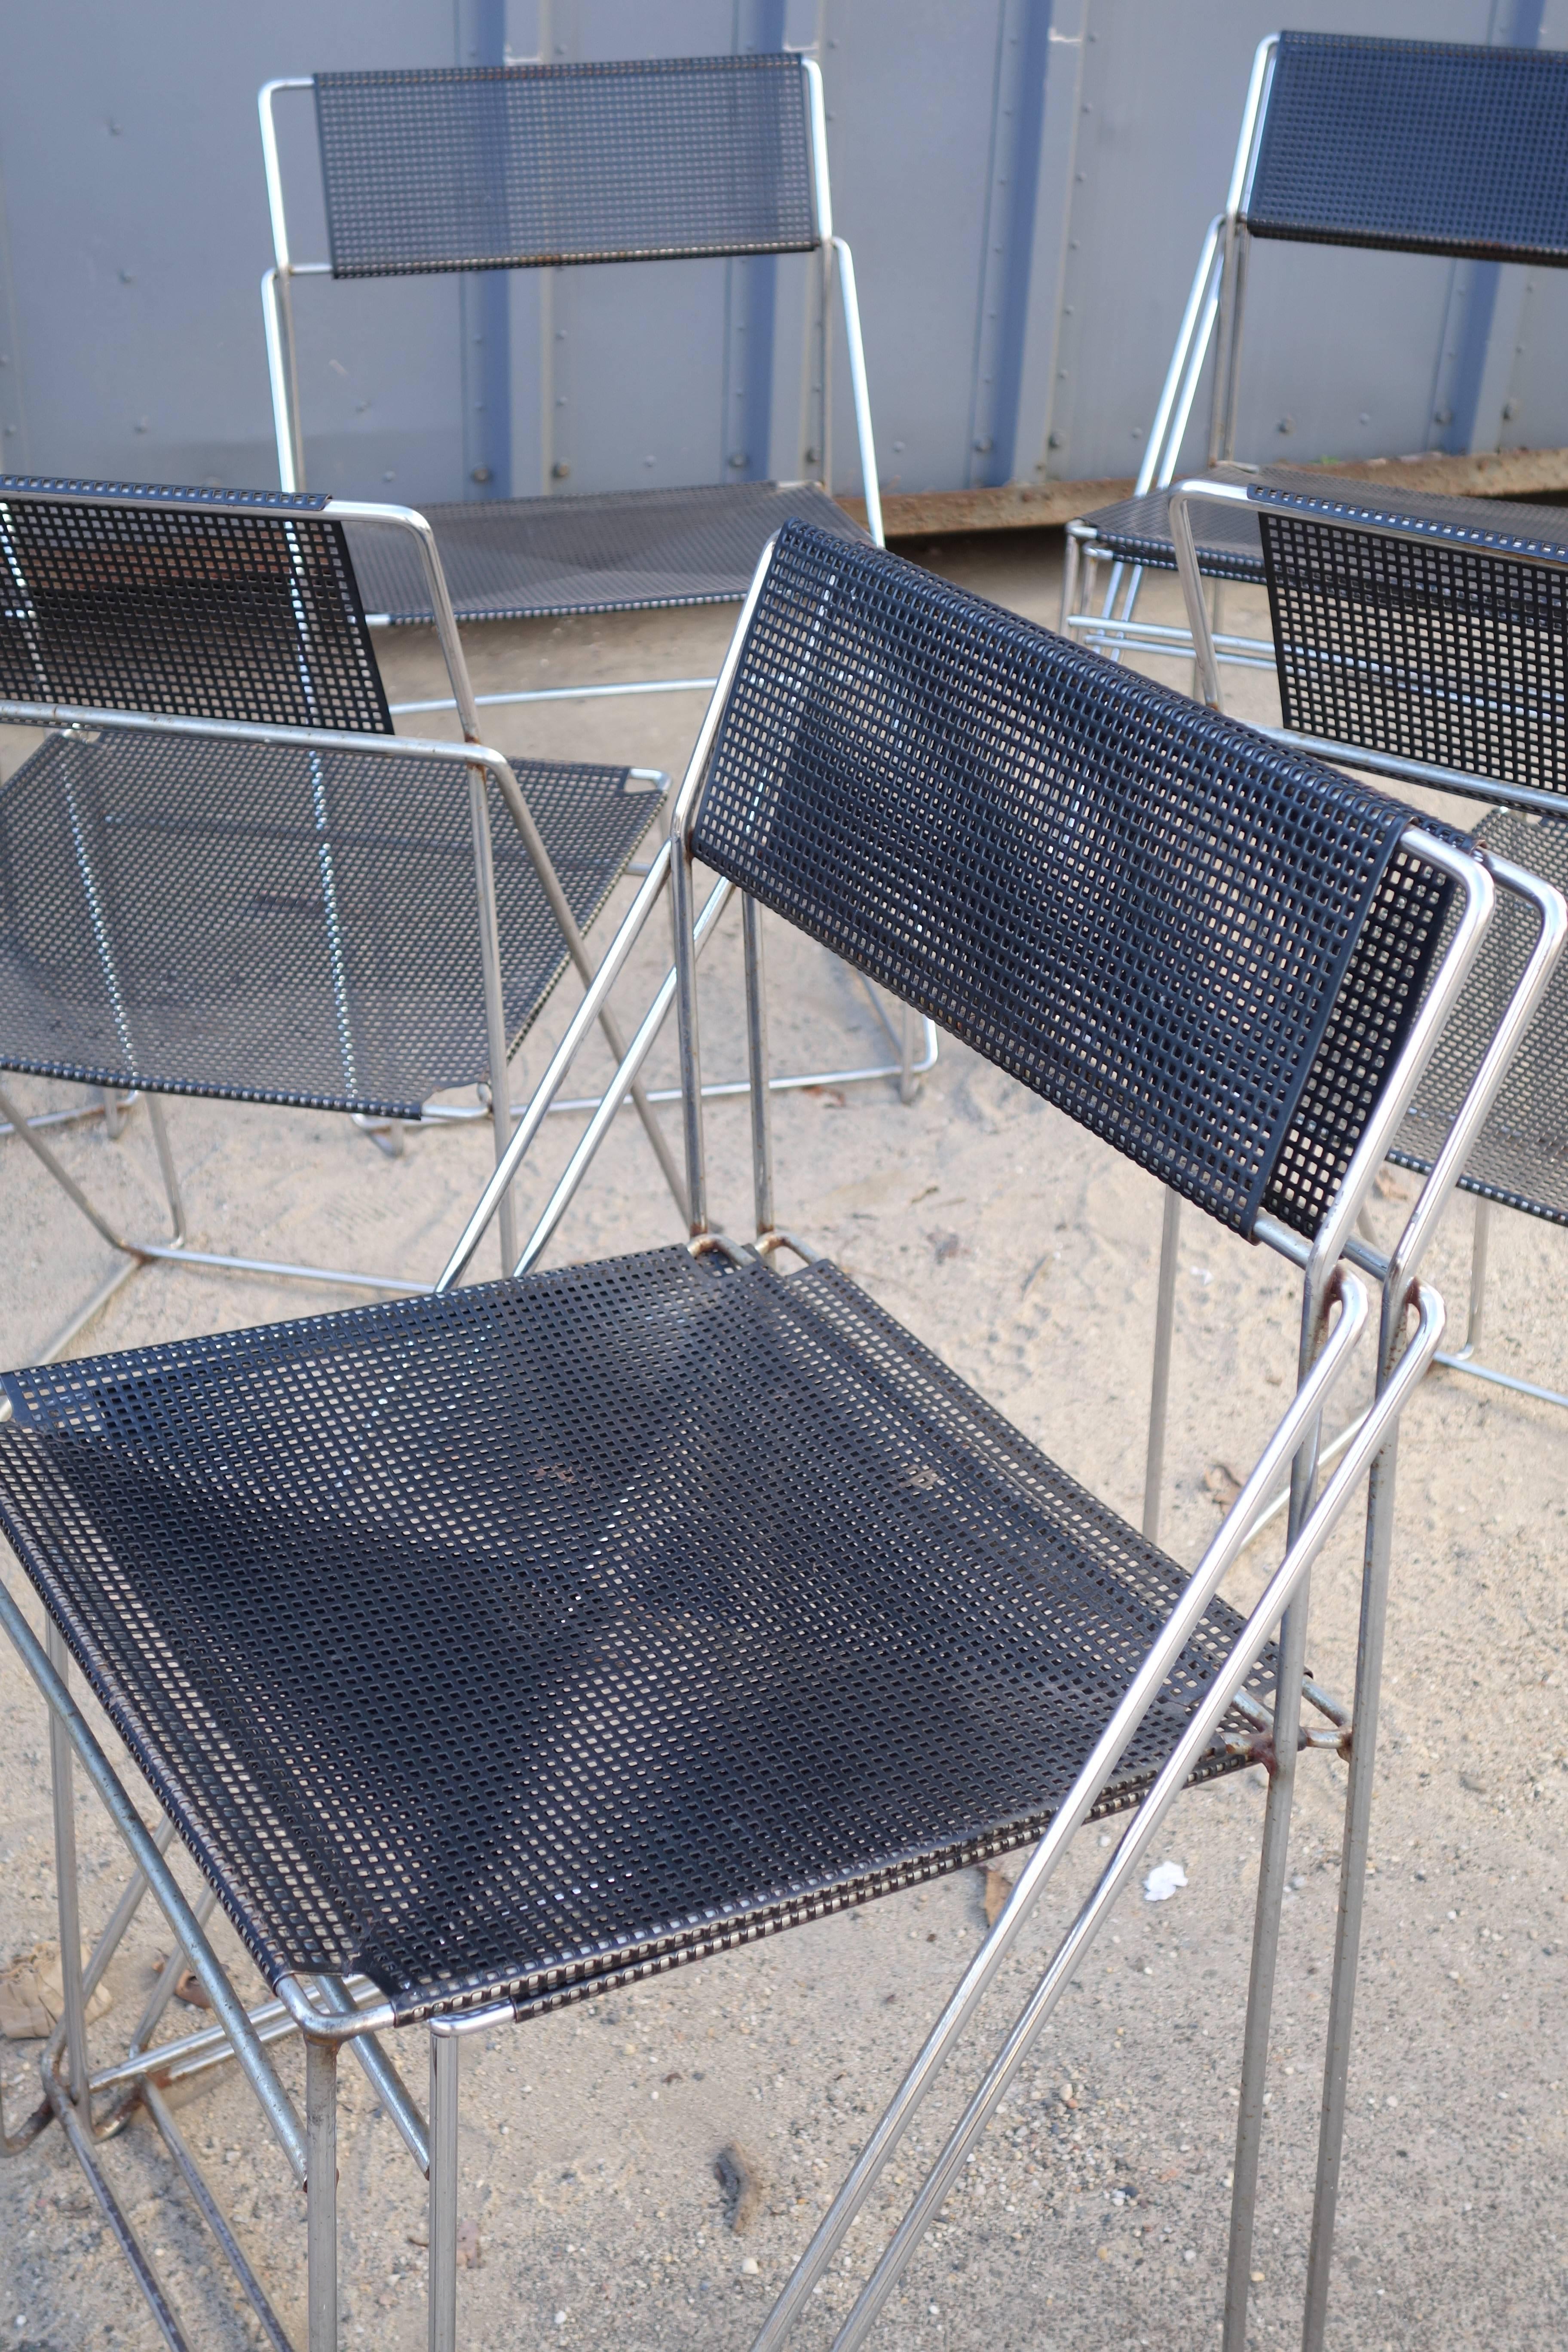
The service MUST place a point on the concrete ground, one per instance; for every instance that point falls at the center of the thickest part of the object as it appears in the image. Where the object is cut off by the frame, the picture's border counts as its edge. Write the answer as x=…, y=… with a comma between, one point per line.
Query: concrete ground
x=1095, y=2213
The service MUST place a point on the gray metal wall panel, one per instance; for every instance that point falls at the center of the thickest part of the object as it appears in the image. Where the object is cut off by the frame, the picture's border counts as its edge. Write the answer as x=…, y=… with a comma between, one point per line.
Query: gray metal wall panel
x=1523, y=398
x=910, y=99
x=1025, y=184
x=1347, y=354
x=138, y=232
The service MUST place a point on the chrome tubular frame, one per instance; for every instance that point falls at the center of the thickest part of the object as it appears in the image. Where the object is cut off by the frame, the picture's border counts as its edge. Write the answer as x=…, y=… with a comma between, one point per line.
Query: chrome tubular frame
x=910, y=1062
x=1395, y=769
x=1446, y=1175
x=1215, y=301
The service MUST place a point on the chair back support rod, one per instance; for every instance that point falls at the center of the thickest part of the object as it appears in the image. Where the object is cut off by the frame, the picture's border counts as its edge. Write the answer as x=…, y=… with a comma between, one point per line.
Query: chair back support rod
x=1482, y=1093
x=614, y=1094
x=1343, y=1338
x=610, y=967
x=1230, y=292
x=1133, y=1846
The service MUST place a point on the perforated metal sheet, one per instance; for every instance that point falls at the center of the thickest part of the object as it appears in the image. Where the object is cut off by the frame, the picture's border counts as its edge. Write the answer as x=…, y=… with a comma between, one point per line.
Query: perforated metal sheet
x=1141, y=909
x=274, y=925
x=235, y=605
x=1139, y=530
x=1451, y=648
x=1424, y=146
x=519, y=167
x=623, y=551
x=494, y=1643
x=1521, y=1156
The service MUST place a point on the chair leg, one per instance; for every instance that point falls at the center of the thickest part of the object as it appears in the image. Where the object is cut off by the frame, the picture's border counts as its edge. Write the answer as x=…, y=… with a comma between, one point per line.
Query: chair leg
x=168, y=1172
x=66, y=1887
x=444, y=2047
x=909, y=1084
x=1480, y=1246
x=1160, y=1390
x=1070, y=583
x=1272, y=1863
x=321, y=2192
x=115, y=1110
x=1352, y=1891
x=1463, y=1358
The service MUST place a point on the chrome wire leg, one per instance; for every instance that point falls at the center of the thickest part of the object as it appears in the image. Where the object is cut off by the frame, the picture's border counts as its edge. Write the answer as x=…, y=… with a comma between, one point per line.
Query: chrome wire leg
x=82, y=2146
x=1352, y=1892
x=1069, y=582
x=321, y=2192
x=444, y=2069
x=66, y=1890
x=206, y=2204
x=1272, y=1864
x=167, y=1169
x=1463, y=1359
x=1160, y=1390
x=1480, y=1247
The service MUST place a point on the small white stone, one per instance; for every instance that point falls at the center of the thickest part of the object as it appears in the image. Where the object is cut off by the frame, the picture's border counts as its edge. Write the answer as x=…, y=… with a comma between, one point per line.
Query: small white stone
x=749, y=2267
x=561, y=2319
x=1162, y=1882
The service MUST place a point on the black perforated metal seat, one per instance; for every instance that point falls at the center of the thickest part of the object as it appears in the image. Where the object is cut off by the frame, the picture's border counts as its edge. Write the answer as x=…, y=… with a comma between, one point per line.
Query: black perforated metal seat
x=521, y=558
x=1138, y=530
x=490, y=1645
x=273, y=925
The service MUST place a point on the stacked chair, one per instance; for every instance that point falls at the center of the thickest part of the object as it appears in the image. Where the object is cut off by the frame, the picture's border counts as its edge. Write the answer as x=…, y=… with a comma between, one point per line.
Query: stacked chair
x=435, y=170
x=1426, y=639
x=224, y=874
x=703, y=1511
x=1404, y=146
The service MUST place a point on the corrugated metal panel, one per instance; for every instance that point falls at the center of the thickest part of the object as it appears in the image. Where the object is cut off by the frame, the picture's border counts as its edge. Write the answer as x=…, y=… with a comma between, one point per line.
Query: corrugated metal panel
x=1025, y=185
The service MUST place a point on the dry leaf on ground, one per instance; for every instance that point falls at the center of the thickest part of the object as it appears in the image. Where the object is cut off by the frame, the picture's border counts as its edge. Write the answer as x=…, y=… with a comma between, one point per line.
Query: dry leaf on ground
x=32, y=1997
x=995, y=1896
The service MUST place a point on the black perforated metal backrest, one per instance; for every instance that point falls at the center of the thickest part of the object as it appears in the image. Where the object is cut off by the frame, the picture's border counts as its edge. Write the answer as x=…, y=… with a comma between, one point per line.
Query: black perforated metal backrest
x=1424, y=146
x=520, y=167
x=235, y=605
x=1203, y=948
x=1448, y=645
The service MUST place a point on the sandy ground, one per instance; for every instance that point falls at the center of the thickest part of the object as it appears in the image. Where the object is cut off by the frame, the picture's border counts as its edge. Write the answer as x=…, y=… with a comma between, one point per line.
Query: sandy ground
x=1095, y=2213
